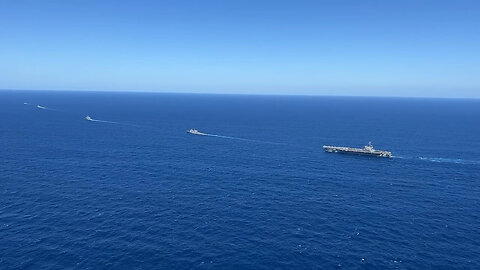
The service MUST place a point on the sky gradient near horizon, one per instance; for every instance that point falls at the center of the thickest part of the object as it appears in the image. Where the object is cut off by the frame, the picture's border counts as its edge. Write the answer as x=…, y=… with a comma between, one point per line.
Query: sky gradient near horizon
x=374, y=48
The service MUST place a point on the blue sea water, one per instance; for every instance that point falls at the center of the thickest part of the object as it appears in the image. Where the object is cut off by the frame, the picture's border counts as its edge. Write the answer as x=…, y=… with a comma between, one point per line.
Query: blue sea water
x=137, y=192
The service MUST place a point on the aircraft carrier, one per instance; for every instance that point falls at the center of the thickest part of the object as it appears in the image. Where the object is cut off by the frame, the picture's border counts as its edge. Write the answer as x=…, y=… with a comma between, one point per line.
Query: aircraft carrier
x=368, y=150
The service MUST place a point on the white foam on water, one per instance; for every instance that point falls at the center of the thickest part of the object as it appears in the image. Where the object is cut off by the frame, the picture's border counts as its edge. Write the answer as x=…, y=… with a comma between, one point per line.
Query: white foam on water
x=43, y=107
x=237, y=138
x=102, y=121
x=450, y=160
x=441, y=160
x=88, y=118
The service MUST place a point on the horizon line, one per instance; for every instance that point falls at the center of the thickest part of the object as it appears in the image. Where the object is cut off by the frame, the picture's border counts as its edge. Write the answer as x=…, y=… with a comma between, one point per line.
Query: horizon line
x=233, y=94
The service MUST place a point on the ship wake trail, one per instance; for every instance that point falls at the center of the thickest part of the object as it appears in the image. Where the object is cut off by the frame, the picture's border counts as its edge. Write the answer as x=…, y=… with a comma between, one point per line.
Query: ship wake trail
x=74, y=114
x=442, y=160
x=450, y=160
x=104, y=121
x=40, y=107
x=238, y=138
x=119, y=123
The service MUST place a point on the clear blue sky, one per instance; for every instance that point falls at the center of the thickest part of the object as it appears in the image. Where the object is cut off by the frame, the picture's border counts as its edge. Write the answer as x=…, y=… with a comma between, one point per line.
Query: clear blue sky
x=335, y=47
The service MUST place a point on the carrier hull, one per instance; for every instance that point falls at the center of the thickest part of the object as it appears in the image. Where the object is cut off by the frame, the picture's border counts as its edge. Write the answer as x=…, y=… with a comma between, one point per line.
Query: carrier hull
x=367, y=151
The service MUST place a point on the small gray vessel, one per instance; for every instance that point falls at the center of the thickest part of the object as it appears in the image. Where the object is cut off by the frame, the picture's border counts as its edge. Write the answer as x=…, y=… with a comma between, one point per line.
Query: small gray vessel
x=195, y=132
x=367, y=150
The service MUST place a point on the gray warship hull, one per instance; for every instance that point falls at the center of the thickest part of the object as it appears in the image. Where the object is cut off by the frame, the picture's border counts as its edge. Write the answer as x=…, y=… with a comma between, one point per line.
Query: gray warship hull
x=367, y=151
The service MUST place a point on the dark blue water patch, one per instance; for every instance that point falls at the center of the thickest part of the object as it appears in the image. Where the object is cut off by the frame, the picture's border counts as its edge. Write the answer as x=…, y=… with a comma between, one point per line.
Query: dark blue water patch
x=144, y=194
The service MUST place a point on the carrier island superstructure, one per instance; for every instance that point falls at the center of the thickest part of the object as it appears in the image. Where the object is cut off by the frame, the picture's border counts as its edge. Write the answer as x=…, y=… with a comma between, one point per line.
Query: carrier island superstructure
x=368, y=150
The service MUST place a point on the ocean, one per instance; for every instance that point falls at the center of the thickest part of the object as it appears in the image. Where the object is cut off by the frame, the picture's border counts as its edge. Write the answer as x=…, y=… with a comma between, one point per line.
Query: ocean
x=133, y=190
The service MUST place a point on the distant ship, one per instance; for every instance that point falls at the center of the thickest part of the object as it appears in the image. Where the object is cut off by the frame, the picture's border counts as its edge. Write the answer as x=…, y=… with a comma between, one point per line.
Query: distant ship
x=195, y=132
x=367, y=150
x=88, y=118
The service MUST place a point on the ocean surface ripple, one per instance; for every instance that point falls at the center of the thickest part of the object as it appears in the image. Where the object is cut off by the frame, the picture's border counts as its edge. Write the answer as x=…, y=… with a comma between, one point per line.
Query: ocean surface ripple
x=78, y=194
